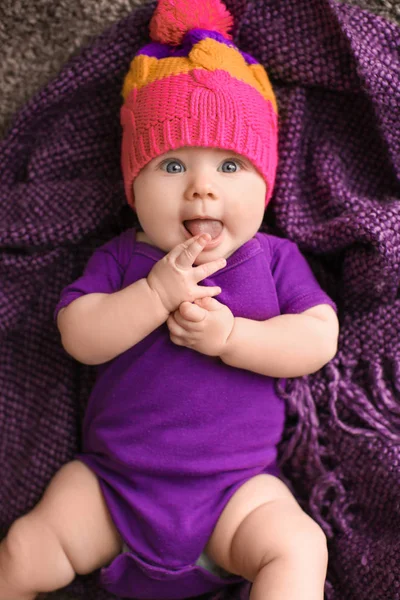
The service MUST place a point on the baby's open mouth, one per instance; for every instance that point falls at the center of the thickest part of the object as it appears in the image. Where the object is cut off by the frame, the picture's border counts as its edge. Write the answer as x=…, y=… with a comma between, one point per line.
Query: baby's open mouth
x=211, y=226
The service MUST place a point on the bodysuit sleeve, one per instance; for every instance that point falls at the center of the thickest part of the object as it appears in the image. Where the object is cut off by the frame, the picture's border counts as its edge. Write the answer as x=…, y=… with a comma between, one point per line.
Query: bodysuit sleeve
x=296, y=286
x=103, y=272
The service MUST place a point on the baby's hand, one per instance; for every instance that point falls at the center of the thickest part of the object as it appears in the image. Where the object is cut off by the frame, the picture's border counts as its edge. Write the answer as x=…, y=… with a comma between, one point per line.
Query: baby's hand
x=204, y=326
x=175, y=279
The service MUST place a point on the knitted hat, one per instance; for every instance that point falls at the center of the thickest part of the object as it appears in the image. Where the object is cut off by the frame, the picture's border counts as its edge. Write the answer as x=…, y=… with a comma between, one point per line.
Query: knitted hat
x=193, y=87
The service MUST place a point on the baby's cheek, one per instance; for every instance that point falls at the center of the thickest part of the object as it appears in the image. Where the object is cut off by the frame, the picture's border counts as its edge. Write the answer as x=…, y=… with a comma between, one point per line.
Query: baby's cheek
x=243, y=211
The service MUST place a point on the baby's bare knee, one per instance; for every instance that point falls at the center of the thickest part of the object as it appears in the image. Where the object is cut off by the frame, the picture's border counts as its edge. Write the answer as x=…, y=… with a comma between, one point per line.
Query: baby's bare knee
x=277, y=531
x=33, y=558
x=301, y=539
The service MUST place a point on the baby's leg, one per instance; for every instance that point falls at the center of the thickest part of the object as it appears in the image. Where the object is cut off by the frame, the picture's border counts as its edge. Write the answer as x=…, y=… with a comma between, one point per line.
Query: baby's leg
x=264, y=536
x=69, y=531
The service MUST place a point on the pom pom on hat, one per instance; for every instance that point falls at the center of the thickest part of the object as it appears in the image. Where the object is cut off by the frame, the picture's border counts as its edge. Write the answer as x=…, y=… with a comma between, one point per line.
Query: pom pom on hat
x=172, y=19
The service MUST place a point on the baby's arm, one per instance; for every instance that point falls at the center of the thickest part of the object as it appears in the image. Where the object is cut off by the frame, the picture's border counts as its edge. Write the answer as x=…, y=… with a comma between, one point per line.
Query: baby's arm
x=289, y=345
x=97, y=327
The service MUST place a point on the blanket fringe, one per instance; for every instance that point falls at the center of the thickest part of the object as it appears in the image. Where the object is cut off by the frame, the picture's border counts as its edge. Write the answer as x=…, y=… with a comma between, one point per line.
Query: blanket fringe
x=374, y=405
x=369, y=409
x=307, y=453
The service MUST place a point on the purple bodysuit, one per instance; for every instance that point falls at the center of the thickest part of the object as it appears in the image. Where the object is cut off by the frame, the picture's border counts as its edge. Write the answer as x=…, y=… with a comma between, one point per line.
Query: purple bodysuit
x=172, y=433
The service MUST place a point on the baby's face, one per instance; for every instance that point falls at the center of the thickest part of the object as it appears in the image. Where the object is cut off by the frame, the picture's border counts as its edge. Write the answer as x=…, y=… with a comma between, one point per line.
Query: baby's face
x=200, y=190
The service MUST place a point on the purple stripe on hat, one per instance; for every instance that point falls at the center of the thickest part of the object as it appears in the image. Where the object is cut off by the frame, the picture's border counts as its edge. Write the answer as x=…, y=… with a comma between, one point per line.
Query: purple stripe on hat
x=249, y=59
x=194, y=36
x=156, y=50
x=197, y=35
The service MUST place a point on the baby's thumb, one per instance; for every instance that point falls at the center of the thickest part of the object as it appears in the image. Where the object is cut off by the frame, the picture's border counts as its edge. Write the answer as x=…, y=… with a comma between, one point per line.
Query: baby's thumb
x=209, y=303
x=192, y=312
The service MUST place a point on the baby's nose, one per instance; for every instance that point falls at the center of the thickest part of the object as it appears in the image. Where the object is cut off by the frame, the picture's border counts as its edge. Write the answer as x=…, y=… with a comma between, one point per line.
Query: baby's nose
x=201, y=189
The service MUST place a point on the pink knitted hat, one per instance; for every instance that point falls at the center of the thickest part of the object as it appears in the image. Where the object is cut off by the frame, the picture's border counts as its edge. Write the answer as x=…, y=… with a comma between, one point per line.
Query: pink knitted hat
x=193, y=87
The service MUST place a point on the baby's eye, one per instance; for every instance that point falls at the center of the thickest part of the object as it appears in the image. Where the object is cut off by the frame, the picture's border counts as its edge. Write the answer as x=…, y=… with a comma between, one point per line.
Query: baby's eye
x=172, y=166
x=230, y=166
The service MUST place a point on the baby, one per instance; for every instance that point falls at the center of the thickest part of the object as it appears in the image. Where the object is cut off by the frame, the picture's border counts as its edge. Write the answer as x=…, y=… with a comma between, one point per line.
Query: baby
x=191, y=318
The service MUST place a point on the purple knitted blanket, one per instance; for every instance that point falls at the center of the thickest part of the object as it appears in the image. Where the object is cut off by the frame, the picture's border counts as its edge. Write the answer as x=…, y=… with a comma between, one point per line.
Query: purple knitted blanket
x=336, y=70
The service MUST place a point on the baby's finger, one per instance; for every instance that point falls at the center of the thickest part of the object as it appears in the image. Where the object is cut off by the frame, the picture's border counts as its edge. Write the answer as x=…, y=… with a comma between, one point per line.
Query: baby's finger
x=210, y=304
x=191, y=249
x=174, y=327
x=177, y=250
x=203, y=291
x=187, y=325
x=203, y=302
x=203, y=271
x=191, y=312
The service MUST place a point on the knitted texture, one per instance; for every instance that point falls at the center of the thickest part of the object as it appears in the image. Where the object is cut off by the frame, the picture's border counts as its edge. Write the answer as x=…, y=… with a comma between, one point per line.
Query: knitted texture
x=335, y=70
x=193, y=87
x=33, y=48
x=172, y=19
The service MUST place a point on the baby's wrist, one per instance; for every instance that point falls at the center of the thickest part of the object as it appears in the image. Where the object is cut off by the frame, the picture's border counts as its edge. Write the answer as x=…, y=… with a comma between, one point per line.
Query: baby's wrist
x=229, y=345
x=157, y=301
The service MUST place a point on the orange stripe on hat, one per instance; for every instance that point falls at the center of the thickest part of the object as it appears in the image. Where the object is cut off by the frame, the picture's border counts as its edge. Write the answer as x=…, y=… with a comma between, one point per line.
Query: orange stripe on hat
x=207, y=54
